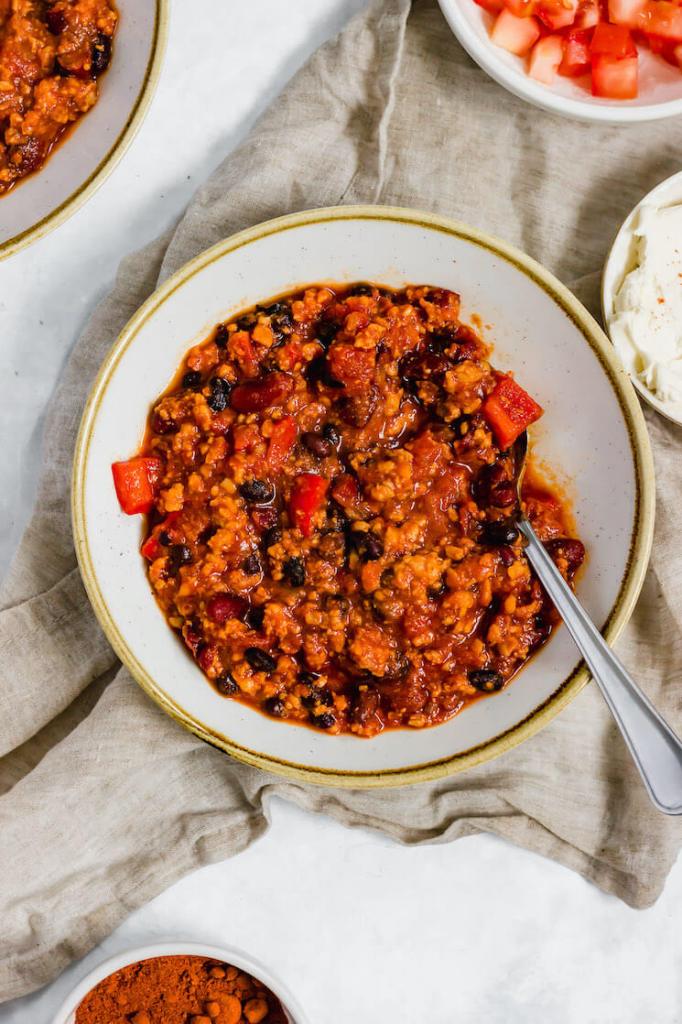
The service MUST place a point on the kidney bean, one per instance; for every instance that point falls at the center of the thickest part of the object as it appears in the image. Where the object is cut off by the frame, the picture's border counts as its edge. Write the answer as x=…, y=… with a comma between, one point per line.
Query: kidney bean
x=499, y=532
x=163, y=424
x=265, y=518
x=260, y=660
x=317, y=444
x=55, y=21
x=357, y=410
x=567, y=549
x=503, y=495
x=222, y=607
x=256, y=395
x=423, y=366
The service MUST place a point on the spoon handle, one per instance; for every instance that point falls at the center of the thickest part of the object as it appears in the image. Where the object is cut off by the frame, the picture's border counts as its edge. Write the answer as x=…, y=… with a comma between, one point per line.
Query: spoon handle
x=655, y=748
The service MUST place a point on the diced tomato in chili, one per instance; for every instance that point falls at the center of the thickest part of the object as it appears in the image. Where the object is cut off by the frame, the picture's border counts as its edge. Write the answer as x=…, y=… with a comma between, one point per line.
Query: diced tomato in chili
x=151, y=548
x=282, y=440
x=241, y=349
x=510, y=410
x=307, y=498
x=135, y=481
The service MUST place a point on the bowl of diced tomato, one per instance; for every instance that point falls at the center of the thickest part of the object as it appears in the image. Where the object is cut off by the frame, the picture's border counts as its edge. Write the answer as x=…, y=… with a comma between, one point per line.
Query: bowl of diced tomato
x=613, y=61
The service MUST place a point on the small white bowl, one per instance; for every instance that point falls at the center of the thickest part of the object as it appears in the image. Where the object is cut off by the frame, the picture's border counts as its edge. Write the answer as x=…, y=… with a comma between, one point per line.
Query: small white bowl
x=660, y=84
x=622, y=259
x=66, y=1014
x=93, y=146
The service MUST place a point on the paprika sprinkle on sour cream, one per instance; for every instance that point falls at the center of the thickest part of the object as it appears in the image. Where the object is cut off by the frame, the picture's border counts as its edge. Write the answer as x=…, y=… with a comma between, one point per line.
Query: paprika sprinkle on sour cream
x=180, y=990
x=331, y=497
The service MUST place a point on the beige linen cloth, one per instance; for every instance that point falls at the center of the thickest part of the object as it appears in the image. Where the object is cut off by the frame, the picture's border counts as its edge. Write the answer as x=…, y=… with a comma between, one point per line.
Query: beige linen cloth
x=104, y=800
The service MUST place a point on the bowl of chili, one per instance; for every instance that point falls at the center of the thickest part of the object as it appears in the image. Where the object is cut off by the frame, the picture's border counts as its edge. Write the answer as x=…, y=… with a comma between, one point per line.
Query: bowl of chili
x=176, y=982
x=324, y=462
x=69, y=109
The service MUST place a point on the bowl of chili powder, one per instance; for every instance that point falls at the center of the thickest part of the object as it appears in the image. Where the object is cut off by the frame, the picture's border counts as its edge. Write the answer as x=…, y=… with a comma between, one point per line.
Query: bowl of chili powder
x=180, y=983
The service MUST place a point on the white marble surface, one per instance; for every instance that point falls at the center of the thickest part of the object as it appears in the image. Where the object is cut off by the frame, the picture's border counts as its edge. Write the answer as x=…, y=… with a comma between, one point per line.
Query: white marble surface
x=361, y=928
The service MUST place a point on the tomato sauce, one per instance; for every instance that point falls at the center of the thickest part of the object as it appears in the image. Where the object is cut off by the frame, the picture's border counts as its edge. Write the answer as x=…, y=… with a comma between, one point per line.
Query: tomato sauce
x=332, y=492
x=51, y=55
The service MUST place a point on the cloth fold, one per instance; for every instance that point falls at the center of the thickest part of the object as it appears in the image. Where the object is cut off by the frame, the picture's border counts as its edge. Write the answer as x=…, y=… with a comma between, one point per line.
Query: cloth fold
x=104, y=801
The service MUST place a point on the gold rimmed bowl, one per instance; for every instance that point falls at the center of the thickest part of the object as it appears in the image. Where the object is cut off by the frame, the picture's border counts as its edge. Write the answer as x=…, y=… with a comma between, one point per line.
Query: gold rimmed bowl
x=592, y=434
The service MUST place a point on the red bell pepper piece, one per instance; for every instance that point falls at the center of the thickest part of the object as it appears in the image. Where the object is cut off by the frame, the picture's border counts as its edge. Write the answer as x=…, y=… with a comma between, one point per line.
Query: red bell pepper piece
x=307, y=498
x=151, y=548
x=509, y=411
x=135, y=481
x=282, y=440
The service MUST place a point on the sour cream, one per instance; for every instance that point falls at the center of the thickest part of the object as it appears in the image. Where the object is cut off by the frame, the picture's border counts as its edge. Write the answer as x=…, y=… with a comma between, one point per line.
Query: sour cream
x=646, y=324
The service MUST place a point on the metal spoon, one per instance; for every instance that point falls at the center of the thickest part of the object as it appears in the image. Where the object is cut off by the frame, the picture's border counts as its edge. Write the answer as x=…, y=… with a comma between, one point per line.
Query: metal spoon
x=655, y=748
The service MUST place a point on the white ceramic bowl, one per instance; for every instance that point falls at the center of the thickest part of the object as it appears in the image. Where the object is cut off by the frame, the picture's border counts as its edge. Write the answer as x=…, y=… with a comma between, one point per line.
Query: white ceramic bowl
x=67, y=1011
x=94, y=145
x=622, y=259
x=660, y=84
x=592, y=432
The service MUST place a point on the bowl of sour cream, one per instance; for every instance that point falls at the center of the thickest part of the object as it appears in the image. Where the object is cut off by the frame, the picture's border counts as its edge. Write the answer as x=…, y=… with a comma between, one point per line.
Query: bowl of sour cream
x=642, y=297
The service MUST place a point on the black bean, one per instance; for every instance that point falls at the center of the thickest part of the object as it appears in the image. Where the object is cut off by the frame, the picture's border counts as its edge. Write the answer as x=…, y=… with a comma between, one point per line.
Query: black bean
x=487, y=680
x=337, y=520
x=251, y=565
x=222, y=335
x=437, y=592
x=60, y=70
x=294, y=570
x=178, y=555
x=274, y=309
x=271, y=537
x=226, y=684
x=101, y=55
x=246, y=322
x=207, y=532
x=367, y=545
x=327, y=330
x=274, y=706
x=318, y=695
x=192, y=379
x=258, y=492
x=316, y=444
x=255, y=616
x=318, y=370
x=331, y=434
x=56, y=22
x=164, y=538
x=220, y=392
x=500, y=532
x=260, y=660
x=361, y=289
x=325, y=721
x=308, y=678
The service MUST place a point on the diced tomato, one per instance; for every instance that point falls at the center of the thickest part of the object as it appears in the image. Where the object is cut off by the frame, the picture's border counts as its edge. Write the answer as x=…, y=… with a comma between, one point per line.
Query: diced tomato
x=493, y=6
x=151, y=548
x=307, y=498
x=556, y=14
x=662, y=18
x=614, y=41
x=282, y=440
x=626, y=12
x=353, y=367
x=545, y=58
x=518, y=35
x=615, y=78
x=256, y=395
x=665, y=48
x=588, y=15
x=521, y=8
x=509, y=411
x=576, y=58
x=134, y=481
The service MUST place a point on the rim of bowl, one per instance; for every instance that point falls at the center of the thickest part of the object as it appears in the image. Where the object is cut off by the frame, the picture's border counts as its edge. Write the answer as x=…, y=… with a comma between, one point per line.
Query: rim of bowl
x=228, y=954
x=523, y=86
x=137, y=114
x=608, y=293
x=640, y=544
